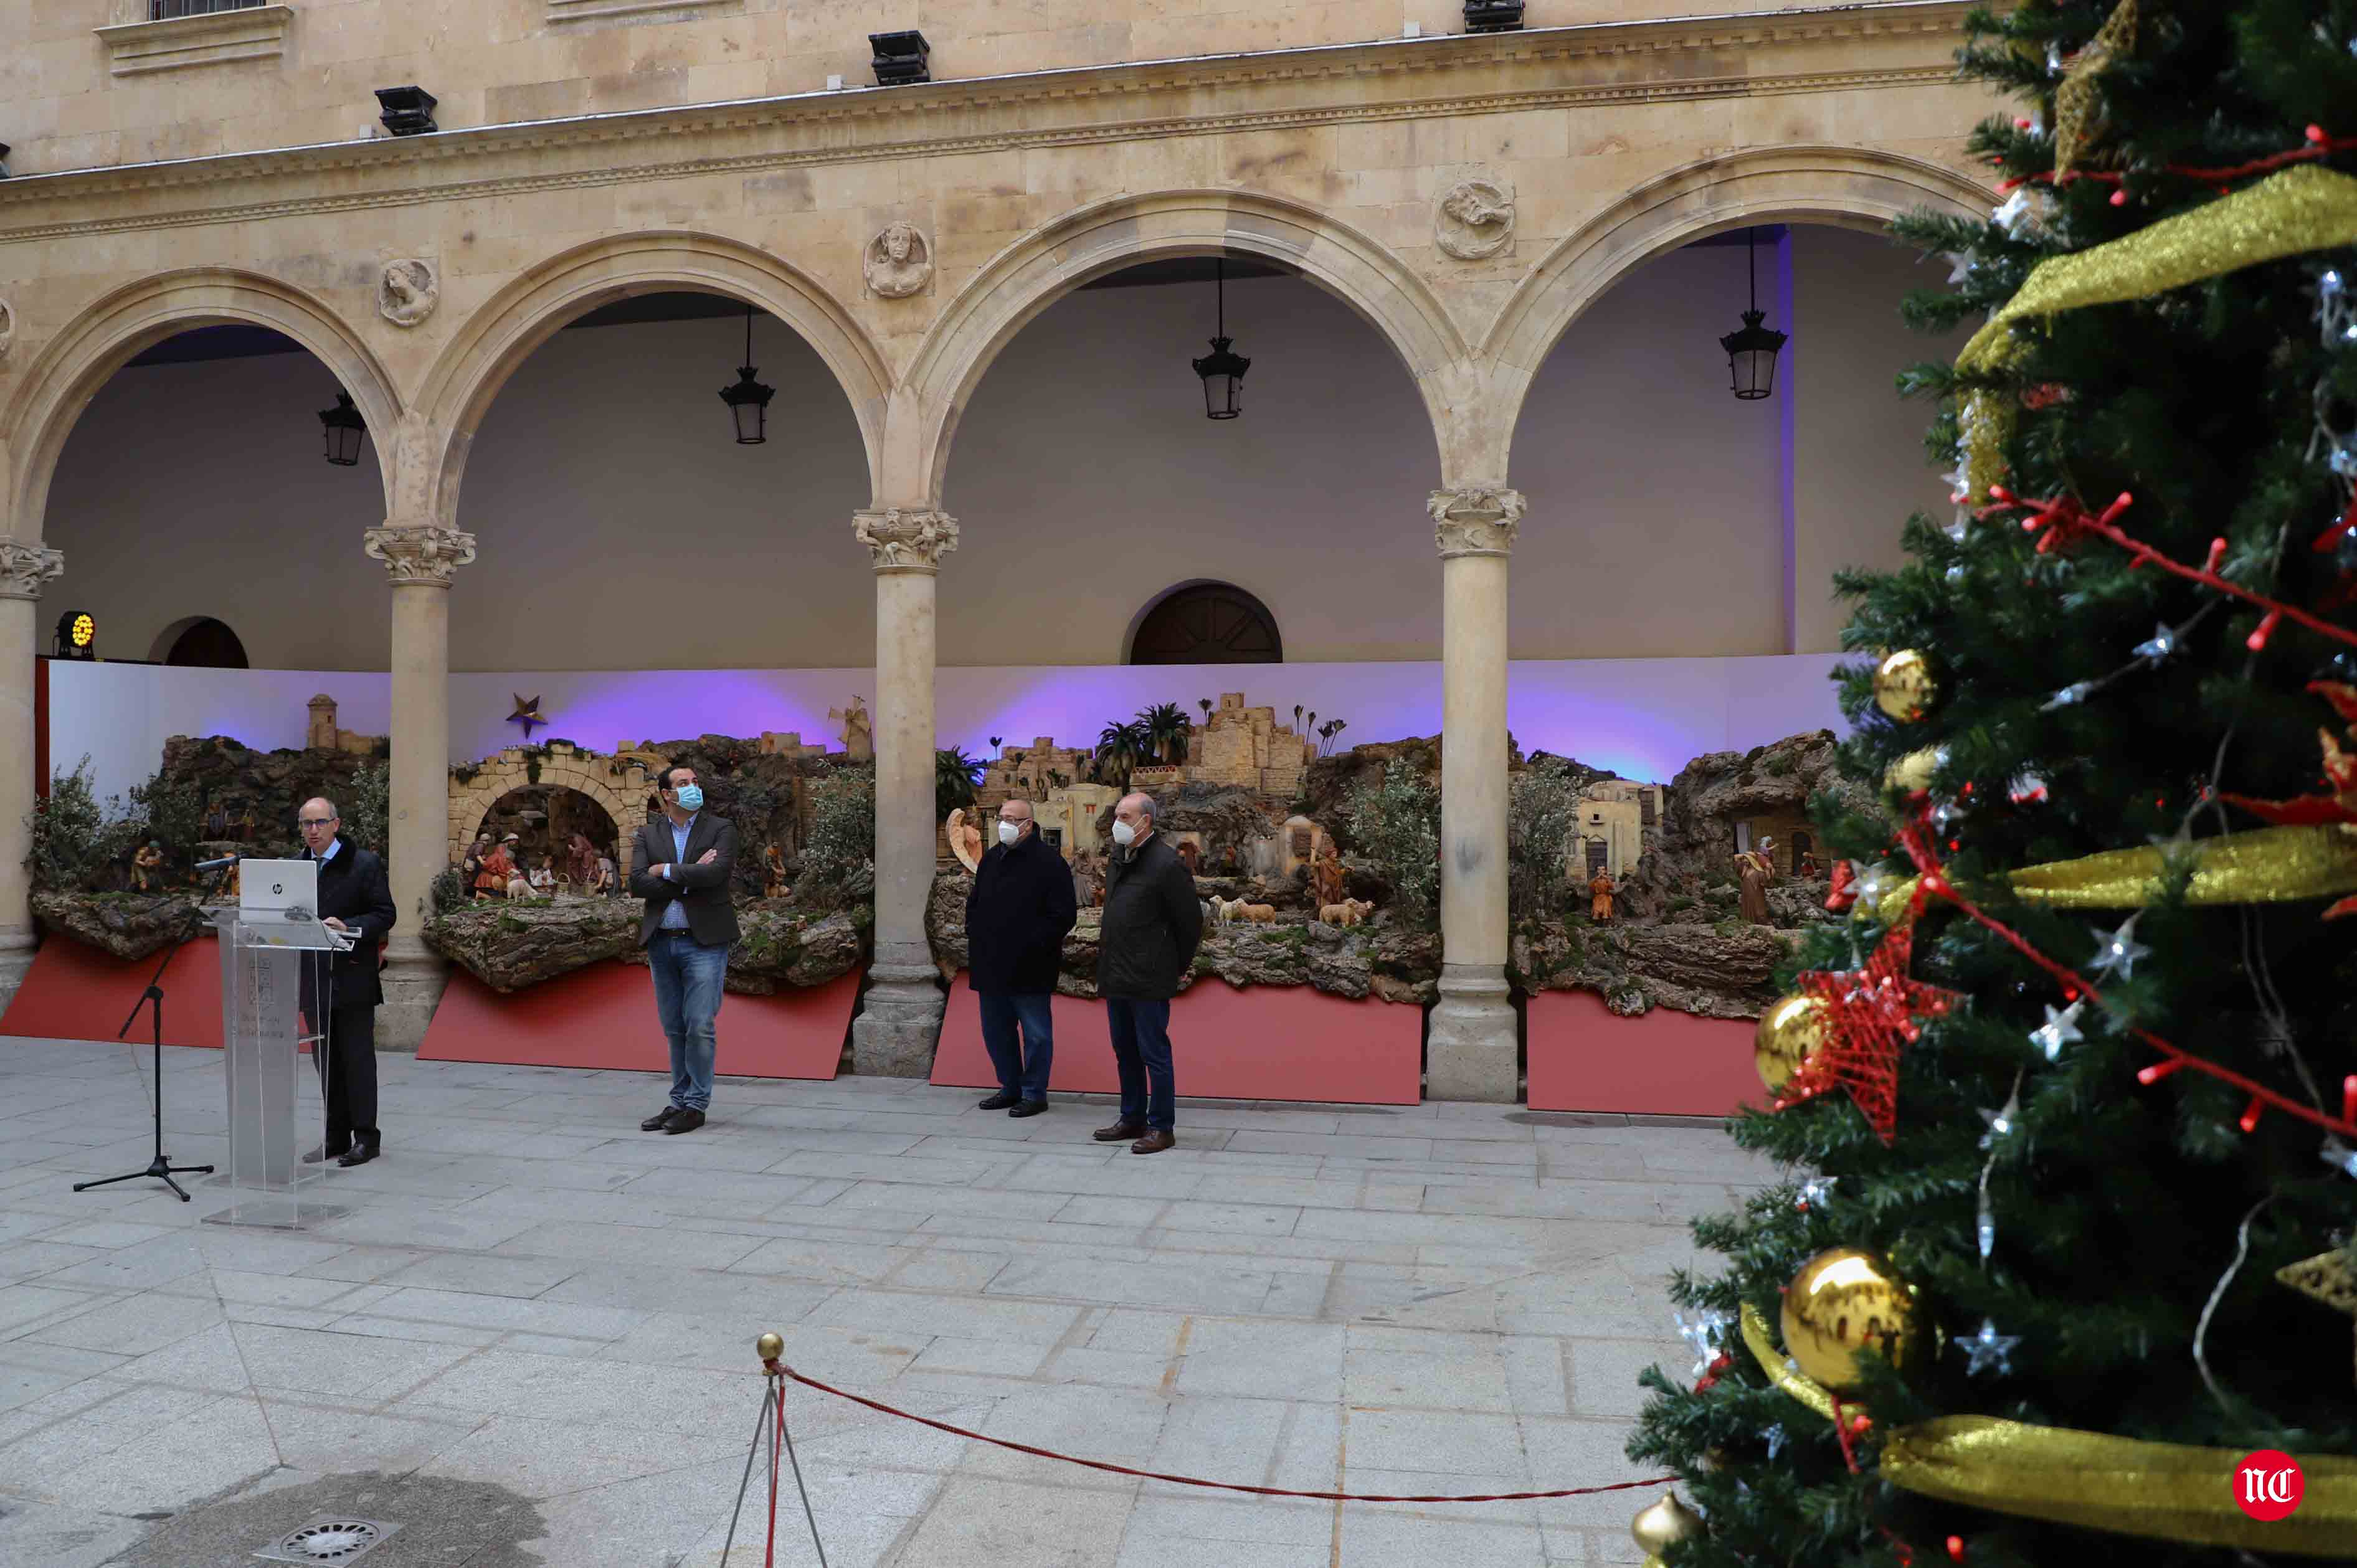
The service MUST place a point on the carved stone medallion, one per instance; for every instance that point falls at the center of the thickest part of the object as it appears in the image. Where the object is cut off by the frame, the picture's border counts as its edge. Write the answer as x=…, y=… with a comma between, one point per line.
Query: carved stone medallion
x=1474, y=219
x=408, y=291
x=7, y=328
x=898, y=262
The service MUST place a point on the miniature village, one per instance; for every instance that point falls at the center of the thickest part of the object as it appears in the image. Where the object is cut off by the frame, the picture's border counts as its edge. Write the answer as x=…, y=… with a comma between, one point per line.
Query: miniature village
x=1316, y=866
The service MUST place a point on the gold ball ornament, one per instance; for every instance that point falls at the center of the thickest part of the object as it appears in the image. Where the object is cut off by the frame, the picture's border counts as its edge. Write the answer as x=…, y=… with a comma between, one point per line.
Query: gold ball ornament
x=1664, y=1523
x=1903, y=686
x=1847, y=1302
x=769, y=1346
x=1914, y=771
x=1788, y=1032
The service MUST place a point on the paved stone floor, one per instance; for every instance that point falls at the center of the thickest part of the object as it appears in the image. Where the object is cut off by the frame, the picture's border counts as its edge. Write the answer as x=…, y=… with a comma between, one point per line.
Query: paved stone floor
x=530, y=1337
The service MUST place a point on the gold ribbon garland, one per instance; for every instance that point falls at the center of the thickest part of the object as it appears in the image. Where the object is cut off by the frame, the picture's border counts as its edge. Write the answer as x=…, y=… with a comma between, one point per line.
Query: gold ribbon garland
x=2309, y=208
x=2163, y=1491
x=1762, y=1345
x=2078, y=103
x=2265, y=865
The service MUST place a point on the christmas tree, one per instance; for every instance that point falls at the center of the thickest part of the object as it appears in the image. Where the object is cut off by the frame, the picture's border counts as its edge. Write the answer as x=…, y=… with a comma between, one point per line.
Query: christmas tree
x=2066, y=1093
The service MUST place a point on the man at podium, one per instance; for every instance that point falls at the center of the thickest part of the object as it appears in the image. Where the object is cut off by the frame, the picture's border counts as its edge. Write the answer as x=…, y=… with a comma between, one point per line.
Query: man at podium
x=355, y=899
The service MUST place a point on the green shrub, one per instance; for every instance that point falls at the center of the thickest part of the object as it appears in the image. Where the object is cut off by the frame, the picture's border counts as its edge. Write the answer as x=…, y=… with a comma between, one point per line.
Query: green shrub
x=1397, y=824
x=1541, y=810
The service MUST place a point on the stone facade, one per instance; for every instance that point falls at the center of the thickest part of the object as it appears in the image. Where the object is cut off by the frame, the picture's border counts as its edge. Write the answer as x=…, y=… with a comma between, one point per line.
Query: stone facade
x=1469, y=195
x=1029, y=772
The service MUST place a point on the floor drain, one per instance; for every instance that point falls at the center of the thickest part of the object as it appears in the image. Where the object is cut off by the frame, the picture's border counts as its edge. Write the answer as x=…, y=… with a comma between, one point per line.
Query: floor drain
x=330, y=1538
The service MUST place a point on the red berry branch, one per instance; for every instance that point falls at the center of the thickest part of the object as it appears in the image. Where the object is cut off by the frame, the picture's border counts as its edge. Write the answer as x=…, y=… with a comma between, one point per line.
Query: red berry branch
x=2061, y=521
x=1916, y=836
x=2317, y=145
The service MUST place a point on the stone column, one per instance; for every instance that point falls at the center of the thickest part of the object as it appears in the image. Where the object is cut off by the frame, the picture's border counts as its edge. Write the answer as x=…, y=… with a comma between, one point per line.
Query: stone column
x=23, y=569
x=1471, y=1052
x=420, y=559
x=899, y=1021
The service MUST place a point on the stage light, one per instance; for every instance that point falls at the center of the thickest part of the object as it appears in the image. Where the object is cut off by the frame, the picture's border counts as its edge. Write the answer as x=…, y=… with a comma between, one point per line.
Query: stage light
x=408, y=110
x=901, y=59
x=342, y=426
x=77, y=635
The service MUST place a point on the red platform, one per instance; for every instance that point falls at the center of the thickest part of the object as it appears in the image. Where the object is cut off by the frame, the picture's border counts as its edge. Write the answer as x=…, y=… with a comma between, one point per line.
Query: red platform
x=74, y=992
x=1583, y=1056
x=604, y=1016
x=1264, y=1042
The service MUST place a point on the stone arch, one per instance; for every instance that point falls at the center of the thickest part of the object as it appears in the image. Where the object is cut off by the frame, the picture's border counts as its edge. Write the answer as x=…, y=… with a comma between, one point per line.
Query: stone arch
x=1849, y=187
x=618, y=784
x=505, y=330
x=1040, y=268
x=74, y=364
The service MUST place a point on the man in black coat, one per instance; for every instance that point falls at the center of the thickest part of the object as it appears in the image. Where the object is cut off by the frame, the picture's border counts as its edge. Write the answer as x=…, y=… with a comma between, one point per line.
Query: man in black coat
x=682, y=866
x=1153, y=922
x=354, y=897
x=1015, y=918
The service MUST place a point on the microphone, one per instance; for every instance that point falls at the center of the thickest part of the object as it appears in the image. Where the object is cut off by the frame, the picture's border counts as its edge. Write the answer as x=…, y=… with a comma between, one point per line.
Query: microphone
x=217, y=865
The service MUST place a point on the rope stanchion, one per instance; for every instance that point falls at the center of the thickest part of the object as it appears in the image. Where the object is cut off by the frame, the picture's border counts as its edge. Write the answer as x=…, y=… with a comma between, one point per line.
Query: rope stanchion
x=778, y=1368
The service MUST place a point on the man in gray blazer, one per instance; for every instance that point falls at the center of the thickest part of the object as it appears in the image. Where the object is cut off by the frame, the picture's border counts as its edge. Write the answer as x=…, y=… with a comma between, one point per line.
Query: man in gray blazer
x=682, y=867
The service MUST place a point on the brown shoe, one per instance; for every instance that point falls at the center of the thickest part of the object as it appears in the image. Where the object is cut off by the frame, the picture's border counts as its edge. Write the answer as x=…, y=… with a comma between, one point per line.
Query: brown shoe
x=1154, y=1143
x=1118, y=1131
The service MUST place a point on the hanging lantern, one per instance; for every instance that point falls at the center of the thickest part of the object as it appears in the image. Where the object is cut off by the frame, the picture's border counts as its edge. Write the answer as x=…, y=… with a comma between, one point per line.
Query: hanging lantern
x=1223, y=372
x=748, y=400
x=1751, y=352
x=342, y=426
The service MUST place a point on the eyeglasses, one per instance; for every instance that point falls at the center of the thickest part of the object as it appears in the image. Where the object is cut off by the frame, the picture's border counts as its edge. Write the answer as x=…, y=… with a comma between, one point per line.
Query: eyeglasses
x=315, y=821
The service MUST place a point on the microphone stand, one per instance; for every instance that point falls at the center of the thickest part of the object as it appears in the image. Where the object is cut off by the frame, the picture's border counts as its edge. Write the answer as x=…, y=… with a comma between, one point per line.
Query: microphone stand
x=160, y=1167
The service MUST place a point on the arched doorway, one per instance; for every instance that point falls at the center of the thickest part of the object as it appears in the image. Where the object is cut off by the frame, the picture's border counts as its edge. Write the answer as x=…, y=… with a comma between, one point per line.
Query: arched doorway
x=1207, y=623
x=202, y=642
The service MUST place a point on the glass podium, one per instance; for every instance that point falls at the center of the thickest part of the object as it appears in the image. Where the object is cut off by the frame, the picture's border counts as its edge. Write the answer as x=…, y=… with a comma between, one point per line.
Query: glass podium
x=271, y=1015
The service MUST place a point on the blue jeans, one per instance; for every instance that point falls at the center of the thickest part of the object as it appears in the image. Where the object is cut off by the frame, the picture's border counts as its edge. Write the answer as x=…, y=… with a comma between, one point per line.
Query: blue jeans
x=688, y=978
x=1022, y=1065
x=1141, y=1049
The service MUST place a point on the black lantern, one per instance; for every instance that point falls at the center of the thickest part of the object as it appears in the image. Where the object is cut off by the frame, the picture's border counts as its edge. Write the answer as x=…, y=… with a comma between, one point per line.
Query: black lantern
x=407, y=110
x=343, y=427
x=748, y=400
x=1223, y=372
x=1751, y=352
x=77, y=635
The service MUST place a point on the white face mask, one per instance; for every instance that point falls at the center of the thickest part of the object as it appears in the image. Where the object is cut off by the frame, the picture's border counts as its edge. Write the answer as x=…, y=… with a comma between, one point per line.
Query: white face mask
x=1009, y=832
x=1123, y=833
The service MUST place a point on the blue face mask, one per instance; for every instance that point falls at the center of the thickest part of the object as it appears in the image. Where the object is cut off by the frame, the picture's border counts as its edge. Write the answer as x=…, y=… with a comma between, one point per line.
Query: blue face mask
x=691, y=797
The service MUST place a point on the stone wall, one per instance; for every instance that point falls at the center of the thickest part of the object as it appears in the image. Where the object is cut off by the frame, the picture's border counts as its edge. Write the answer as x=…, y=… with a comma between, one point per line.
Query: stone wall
x=620, y=787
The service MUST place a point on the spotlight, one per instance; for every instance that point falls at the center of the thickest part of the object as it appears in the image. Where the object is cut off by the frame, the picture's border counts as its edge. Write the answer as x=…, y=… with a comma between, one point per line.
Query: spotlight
x=901, y=59
x=408, y=110
x=1492, y=15
x=77, y=635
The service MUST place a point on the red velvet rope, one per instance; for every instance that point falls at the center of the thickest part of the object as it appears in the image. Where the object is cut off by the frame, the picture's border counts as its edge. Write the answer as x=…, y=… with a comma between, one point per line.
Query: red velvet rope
x=1194, y=1481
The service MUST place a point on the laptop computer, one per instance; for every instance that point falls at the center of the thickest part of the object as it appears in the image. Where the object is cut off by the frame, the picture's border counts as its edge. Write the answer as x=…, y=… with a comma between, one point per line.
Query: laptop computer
x=283, y=895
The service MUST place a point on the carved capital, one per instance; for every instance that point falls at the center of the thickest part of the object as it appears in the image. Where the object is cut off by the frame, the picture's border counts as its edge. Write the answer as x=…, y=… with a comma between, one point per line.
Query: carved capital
x=422, y=554
x=906, y=539
x=1477, y=520
x=25, y=567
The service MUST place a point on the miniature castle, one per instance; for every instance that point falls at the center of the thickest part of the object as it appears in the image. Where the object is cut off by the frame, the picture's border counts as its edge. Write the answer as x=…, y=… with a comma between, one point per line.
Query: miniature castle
x=323, y=734
x=1241, y=748
x=1617, y=821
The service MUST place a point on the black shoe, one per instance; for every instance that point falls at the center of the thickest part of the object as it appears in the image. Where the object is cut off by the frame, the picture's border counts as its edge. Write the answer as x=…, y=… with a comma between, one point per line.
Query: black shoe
x=687, y=1120
x=363, y=1151
x=323, y=1154
x=1026, y=1108
x=1000, y=1102
x=656, y=1122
